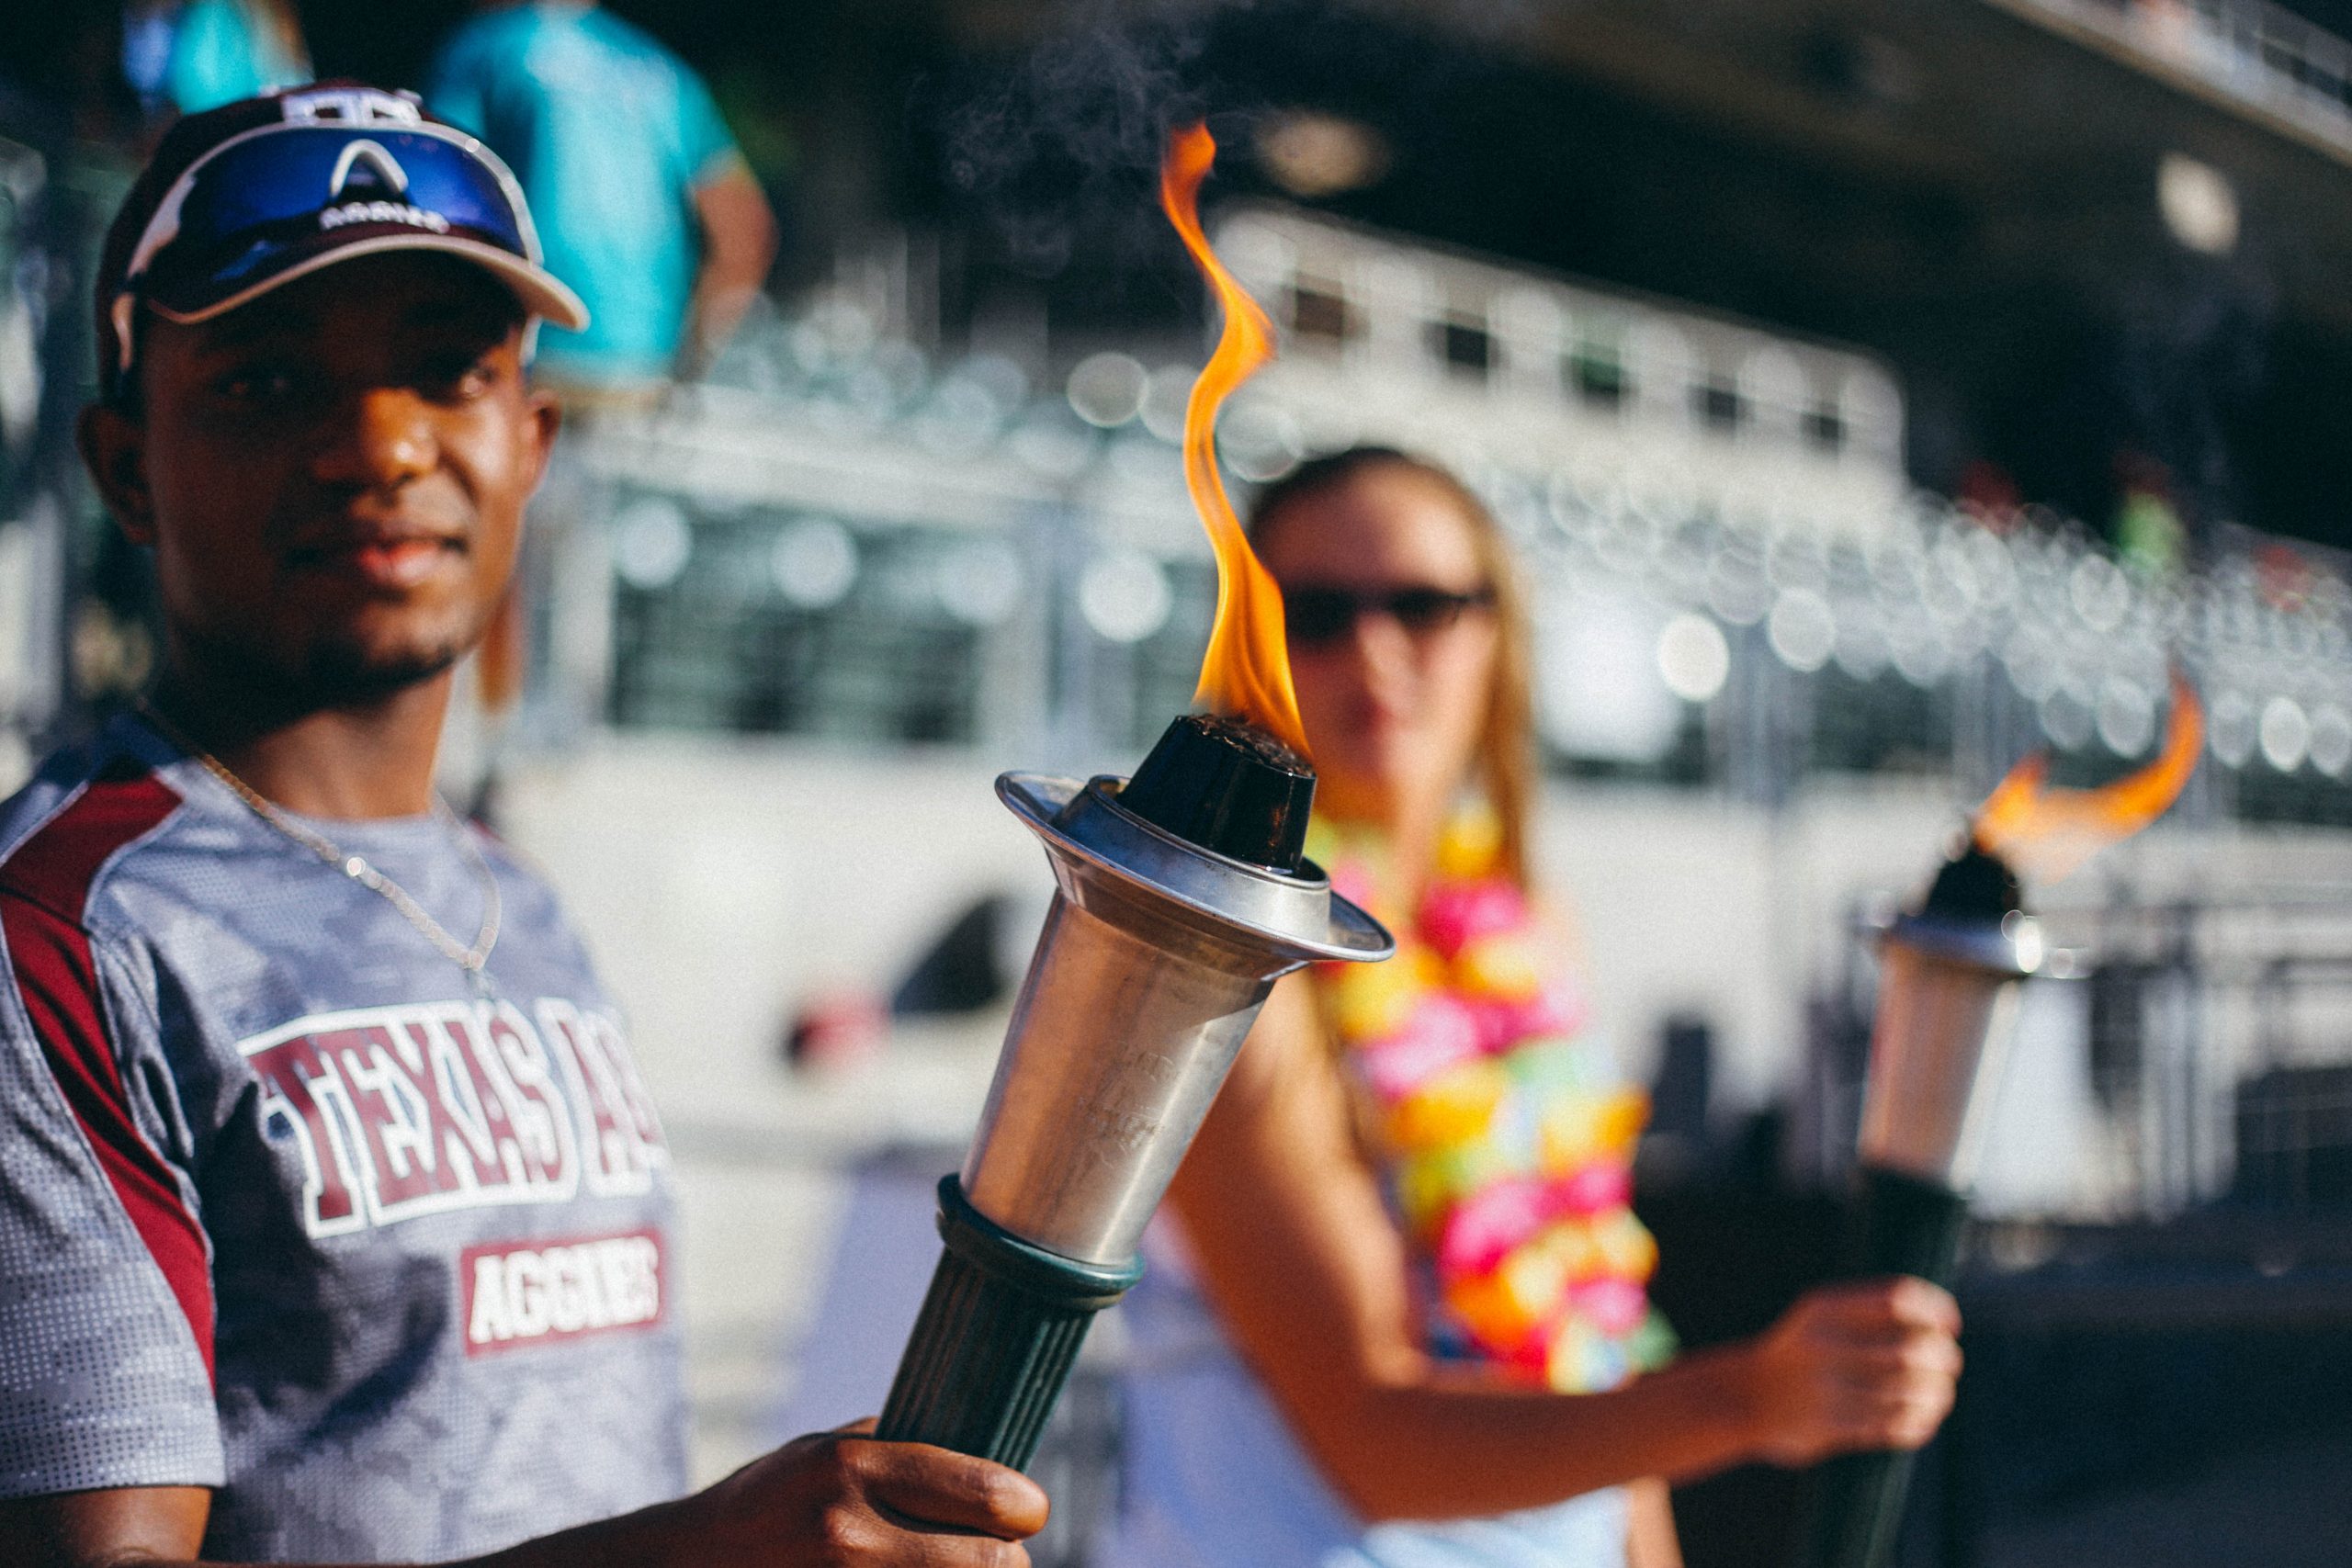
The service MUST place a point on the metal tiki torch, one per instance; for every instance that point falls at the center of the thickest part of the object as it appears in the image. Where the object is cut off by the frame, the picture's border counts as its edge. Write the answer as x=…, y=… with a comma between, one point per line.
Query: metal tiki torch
x=1182, y=896
x=1947, y=1002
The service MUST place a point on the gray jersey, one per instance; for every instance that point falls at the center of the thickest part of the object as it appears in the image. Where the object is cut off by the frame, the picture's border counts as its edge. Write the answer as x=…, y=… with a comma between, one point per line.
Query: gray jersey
x=288, y=1209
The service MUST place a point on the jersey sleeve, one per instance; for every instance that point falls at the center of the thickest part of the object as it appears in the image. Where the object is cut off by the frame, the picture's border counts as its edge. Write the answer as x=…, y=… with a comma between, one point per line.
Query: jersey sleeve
x=706, y=148
x=106, y=1305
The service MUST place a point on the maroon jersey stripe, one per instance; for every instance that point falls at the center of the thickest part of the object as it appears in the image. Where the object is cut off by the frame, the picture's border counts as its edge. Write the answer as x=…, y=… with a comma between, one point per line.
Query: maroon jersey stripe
x=43, y=888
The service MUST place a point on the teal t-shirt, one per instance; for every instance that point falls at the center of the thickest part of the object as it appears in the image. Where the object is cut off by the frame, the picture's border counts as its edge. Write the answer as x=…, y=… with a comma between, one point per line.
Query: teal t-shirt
x=610, y=134
x=221, y=52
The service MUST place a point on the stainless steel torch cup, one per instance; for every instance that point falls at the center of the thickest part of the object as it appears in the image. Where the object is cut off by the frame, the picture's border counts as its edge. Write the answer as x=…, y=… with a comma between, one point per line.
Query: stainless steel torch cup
x=1947, y=1006
x=1155, y=957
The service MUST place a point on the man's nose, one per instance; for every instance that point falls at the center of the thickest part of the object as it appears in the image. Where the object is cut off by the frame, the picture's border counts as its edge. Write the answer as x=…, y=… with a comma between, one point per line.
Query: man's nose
x=384, y=439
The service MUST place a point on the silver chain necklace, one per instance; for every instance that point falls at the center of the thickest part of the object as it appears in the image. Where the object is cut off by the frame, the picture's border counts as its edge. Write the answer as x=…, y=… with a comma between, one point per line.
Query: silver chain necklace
x=356, y=867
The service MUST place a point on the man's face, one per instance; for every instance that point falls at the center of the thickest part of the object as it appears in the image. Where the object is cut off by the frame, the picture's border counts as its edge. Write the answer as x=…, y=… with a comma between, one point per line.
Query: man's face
x=332, y=477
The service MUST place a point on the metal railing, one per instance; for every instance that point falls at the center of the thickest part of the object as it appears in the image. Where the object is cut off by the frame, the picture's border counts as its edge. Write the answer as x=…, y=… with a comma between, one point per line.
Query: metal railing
x=2255, y=55
x=1929, y=641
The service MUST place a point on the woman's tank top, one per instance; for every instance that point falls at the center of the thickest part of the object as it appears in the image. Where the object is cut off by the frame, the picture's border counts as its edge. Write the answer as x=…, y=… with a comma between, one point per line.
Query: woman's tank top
x=1214, y=1479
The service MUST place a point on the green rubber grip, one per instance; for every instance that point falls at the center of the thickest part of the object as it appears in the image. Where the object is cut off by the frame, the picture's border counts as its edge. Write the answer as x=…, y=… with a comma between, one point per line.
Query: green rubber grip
x=1853, y=1504
x=999, y=1330
x=1903, y=1226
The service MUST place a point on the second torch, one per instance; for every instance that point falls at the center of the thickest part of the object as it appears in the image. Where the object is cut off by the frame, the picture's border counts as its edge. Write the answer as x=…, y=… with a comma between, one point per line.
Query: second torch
x=1948, y=997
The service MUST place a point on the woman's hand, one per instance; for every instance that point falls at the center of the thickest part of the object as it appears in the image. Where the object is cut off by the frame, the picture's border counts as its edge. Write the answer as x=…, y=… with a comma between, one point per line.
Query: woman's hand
x=1867, y=1365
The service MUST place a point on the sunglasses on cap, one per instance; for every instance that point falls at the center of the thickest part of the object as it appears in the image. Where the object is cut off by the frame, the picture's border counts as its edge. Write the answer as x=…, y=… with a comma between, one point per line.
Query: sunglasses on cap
x=1317, y=615
x=276, y=202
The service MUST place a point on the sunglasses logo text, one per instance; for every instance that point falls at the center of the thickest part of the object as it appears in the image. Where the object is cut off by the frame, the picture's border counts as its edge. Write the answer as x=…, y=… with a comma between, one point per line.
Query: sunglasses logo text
x=382, y=213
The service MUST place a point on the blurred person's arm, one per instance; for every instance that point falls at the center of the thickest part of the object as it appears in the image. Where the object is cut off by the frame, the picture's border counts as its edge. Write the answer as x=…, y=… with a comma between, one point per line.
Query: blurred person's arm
x=1309, y=1274
x=738, y=240
x=737, y=230
x=834, y=1501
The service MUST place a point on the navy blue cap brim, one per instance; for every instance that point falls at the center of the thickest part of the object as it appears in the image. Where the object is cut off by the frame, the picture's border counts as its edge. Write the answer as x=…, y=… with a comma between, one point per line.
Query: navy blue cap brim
x=541, y=292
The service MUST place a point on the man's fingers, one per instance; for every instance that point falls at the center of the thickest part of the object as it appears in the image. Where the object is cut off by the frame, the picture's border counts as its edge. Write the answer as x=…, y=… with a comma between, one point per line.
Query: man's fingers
x=921, y=1544
x=862, y=1531
x=903, y=1548
x=936, y=1486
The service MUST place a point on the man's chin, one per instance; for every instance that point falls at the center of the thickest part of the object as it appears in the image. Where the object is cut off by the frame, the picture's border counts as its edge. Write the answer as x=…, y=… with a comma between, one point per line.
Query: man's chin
x=340, y=672
x=340, y=675
x=382, y=650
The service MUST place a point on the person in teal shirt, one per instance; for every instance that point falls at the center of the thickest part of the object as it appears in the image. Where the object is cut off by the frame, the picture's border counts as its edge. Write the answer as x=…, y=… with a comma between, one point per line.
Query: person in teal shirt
x=645, y=206
x=226, y=50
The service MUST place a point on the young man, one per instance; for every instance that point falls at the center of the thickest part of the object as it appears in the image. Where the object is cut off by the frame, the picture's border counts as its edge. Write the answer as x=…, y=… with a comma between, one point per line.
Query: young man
x=333, y=1222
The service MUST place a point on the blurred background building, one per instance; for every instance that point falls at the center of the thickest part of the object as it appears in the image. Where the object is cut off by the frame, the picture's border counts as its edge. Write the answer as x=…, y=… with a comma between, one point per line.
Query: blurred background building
x=1876, y=392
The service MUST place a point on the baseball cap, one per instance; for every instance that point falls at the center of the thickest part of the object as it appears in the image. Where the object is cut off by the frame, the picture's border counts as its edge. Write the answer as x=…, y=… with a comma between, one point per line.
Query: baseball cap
x=241, y=199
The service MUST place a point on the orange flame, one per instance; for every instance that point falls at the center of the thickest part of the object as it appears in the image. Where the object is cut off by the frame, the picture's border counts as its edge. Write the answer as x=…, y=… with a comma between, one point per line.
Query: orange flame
x=2046, y=834
x=1246, y=672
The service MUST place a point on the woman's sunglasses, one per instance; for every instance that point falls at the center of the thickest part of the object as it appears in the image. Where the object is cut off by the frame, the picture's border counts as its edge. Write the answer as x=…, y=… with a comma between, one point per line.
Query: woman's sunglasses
x=1315, y=615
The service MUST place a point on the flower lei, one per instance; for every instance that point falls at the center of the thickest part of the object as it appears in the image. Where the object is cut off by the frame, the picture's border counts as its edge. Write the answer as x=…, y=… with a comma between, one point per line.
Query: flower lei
x=1504, y=1143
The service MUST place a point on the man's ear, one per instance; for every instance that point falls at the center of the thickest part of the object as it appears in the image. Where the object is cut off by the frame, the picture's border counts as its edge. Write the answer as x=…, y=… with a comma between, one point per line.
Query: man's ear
x=114, y=448
x=546, y=423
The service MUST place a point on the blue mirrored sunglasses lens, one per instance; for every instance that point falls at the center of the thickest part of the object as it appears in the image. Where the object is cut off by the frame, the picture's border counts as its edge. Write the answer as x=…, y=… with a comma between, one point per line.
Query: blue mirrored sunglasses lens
x=267, y=194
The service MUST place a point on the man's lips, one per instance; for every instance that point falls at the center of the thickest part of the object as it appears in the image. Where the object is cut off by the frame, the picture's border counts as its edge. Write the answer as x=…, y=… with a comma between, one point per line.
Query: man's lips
x=391, y=561
x=402, y=563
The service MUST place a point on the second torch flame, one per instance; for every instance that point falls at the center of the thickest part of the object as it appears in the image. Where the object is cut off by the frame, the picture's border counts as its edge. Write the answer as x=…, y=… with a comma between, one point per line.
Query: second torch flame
x=1246, y=672
x=2046, y=834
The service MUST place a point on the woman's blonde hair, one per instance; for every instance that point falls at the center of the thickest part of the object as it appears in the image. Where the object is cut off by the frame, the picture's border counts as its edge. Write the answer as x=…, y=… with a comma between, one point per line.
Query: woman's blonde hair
x=1506, y=753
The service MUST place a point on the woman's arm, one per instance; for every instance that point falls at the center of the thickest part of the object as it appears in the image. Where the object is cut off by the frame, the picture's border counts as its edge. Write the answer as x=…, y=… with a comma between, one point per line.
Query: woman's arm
x=1299, y=1256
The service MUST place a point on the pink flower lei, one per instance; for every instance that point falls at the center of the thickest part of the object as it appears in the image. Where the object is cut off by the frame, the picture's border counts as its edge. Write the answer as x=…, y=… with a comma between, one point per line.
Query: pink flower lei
x=1504, y=1140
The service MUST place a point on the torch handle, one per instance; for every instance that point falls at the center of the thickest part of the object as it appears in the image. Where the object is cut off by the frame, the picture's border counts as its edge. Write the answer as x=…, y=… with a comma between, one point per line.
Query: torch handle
x=999, y=1332
x=1900, y=1225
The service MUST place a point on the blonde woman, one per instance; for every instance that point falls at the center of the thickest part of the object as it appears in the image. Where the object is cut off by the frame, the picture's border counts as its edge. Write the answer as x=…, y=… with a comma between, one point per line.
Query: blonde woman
x=1397, y=1318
